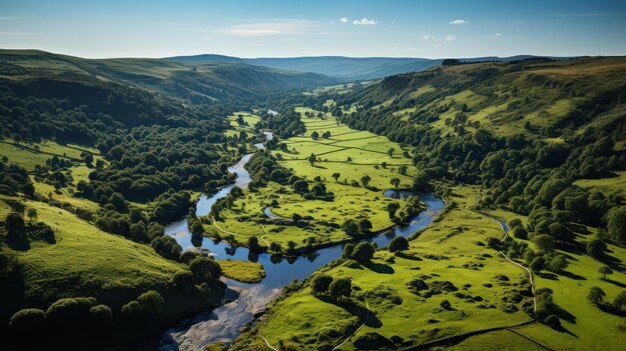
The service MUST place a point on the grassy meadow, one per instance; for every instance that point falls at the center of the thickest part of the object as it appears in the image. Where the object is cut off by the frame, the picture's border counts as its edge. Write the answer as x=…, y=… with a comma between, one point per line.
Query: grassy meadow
x=367, y=151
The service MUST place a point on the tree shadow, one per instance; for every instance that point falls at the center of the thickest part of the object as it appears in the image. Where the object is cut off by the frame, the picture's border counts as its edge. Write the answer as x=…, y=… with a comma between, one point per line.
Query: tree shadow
x=572, y=275
x=621, y=285
x=380, y=268
x=547, y=275
x=408, y=256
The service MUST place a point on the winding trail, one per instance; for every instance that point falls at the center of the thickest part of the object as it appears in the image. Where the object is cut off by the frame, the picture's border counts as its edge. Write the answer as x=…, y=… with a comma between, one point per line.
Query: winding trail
x=267, y=342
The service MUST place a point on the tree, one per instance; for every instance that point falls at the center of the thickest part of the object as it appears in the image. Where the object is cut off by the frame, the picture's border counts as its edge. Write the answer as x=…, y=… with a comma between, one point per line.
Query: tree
x=101, y=317
x=392, y=208
x=595, y=248
x=336, y=176
x=402, y=169
x=340, y=287
x=560, y=232
x=321, y=283
x=347, y=251
x=119, y=202
x=253, y=244
x=395, y=182
x=604, y=270
x=619, y=303
x=421, y=181
x=196, y=228
x=151, y=302
x=553, y=322
x=350, y=227
x=557, y=263
x=520, y=233
x=363, y=252
x=315, y=135
x=537, y=264
x=398, y=244
x=183, y=279
x=390, y=151
x=27, y=321
x=32, y=214
x=132, y=311
x=69, y=313
x=544, y=242
x=14, y=224
x=138, y=232
x=205, y=269
x=616, y=224
x=365, y=180
x=318, y=189
x=365, y=226
x=301, y=186
x=596, y=295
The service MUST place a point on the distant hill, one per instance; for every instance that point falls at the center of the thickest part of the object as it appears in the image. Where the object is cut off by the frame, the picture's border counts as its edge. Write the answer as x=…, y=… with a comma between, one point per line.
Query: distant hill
x=205, y=80
x=344, y=68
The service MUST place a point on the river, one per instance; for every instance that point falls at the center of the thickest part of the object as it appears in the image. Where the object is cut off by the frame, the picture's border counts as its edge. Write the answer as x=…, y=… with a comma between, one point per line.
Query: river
x=224, y=322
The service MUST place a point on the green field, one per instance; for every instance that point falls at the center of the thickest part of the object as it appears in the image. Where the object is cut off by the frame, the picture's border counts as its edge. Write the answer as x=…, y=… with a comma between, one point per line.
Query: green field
x=243, y=271
x=446, y=251
x=367, y=151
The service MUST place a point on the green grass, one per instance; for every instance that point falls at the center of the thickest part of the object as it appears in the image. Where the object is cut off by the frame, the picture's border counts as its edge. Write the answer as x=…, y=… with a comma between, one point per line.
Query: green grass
x=243, y=271
x=366, y=150
x=614, y=186
x=446, y=251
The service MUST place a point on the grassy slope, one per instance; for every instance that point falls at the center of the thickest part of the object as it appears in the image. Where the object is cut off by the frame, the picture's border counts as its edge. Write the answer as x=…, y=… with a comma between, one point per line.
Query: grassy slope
x=243, y=271
x=366, y=150
x=211, y=80
x=441, y=251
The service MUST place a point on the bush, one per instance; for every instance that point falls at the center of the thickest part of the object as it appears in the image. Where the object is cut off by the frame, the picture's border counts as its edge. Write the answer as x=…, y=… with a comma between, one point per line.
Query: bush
x=595, y=248
x=132, y=311
x=188, y=256
x=553, y=322
x=26, y=322
x=151, y=302
x=70, y=311
x=347, y=250
x=520, y=233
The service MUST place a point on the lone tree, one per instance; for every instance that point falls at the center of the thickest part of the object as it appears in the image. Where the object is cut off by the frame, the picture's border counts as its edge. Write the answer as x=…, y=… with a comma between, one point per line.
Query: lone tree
x=395, y=182
x=315, y=135
x=336, y=176
x=321, y=283
x=312, y=159
x=544, y=242
x=604, y=270
x=391, y=151
x=340, y=287
x=365, y=180
x=398, y=244
x=32, y=214
x=596, y=295
x=363, y=252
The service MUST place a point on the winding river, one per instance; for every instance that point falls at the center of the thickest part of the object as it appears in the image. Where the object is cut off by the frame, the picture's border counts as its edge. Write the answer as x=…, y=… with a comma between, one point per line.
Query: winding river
x=225, y=322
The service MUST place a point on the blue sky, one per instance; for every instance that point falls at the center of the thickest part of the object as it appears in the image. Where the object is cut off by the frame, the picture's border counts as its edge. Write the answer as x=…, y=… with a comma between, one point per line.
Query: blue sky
x=432, y=29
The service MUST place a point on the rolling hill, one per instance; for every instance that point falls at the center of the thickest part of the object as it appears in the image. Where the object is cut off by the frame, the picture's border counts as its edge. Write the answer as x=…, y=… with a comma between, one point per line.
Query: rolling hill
x=202, y=81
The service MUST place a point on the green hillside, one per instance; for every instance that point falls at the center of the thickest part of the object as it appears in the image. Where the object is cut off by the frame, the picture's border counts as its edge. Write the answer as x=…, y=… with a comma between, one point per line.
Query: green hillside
x=536, y=143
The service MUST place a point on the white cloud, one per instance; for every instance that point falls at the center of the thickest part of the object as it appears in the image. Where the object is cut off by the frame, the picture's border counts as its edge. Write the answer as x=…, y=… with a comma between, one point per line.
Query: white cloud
x=459, y=21
x=343, y=20
x=429, y=37
x=270, y=27
x=365, y=22
x=450, y=37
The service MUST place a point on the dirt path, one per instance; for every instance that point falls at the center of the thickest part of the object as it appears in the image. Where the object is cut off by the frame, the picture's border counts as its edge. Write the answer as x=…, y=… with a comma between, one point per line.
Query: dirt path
x=267, y=343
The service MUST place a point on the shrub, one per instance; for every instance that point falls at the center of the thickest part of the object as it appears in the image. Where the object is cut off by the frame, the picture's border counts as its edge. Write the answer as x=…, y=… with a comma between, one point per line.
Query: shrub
x=151, y=302
x=520, y=233
x=101, y=316
x=132, y=311
x=27, y=321
x=183, y=279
